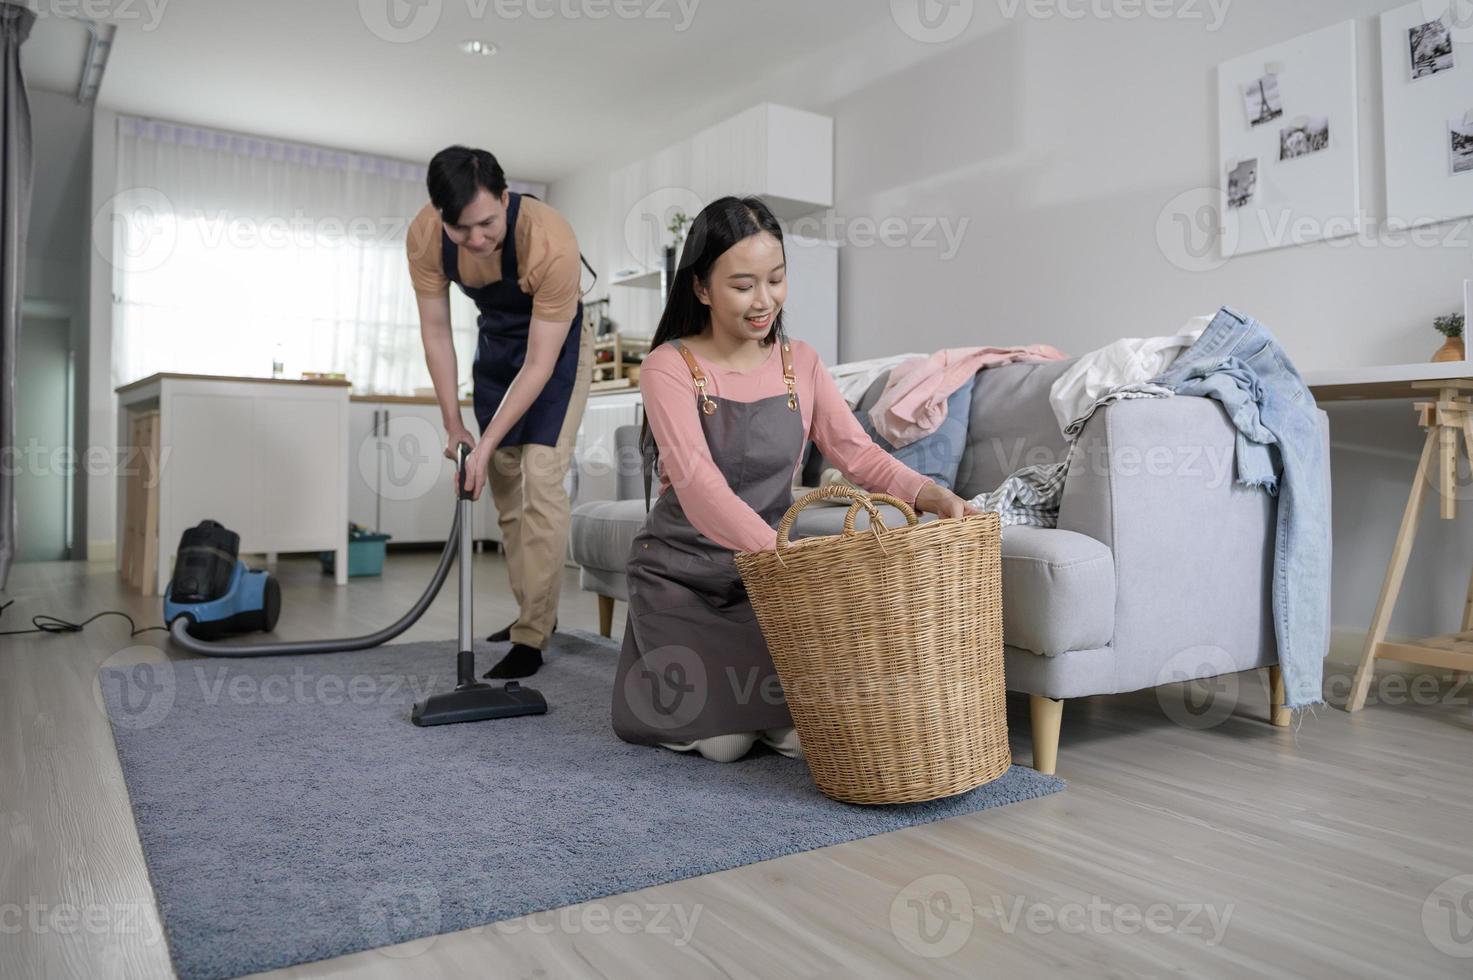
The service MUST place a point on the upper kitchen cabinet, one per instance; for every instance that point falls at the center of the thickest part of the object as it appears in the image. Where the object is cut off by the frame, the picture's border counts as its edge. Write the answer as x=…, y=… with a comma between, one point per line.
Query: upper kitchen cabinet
x=785, y=155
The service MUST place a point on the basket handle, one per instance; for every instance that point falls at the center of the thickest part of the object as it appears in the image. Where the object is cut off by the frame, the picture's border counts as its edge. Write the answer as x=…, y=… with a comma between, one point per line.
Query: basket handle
x=874, y=512
x=860, y=498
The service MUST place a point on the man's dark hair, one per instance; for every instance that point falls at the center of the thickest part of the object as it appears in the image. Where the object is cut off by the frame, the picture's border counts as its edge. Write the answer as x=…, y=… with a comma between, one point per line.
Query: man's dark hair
x=456, y=174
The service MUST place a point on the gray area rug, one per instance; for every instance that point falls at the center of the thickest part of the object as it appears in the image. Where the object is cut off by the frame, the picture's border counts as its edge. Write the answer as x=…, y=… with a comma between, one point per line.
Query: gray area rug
x=290, y=812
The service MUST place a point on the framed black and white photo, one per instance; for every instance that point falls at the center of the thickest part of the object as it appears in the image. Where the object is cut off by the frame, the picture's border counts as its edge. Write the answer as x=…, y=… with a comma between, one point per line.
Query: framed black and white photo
x=1262, y=100
x=1289, y=183
x=1303, y=138
x=1431, y=47
x=1460, y=143
x=1242, y=182
x=1426, y=97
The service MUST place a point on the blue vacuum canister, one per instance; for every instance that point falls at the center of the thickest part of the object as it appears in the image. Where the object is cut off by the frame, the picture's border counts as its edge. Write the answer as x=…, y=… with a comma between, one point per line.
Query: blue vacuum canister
x=214, y=590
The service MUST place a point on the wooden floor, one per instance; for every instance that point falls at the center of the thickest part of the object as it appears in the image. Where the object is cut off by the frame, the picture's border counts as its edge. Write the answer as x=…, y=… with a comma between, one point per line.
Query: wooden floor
x=1203, y=849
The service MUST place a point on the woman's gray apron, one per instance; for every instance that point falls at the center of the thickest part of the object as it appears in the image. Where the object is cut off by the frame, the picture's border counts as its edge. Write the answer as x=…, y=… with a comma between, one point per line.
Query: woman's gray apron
x=694, y=662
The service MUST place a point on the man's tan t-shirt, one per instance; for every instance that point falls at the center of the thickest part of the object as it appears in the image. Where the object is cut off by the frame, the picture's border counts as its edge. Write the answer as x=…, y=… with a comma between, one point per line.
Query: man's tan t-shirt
x=548, y=268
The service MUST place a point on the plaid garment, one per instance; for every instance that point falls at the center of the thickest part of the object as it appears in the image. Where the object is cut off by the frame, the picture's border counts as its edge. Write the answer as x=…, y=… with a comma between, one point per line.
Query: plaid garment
x=1031, y=495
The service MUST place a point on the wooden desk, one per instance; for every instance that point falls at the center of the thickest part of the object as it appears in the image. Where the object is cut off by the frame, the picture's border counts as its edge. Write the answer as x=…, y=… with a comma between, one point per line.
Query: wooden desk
x=1445, y=415
x=1387, y=381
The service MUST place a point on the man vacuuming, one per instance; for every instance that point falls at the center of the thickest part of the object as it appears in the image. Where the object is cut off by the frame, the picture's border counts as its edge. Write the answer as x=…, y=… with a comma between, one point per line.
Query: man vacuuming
x=518, y=261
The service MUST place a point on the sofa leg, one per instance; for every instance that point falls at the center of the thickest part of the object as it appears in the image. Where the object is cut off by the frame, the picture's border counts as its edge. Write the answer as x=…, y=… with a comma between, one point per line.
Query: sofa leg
x=1047, y=715
x=606, y=615
x=1278, y=715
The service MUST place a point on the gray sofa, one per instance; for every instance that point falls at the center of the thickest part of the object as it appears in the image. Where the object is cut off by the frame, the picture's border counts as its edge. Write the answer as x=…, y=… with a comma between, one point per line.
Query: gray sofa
x=1159, y=569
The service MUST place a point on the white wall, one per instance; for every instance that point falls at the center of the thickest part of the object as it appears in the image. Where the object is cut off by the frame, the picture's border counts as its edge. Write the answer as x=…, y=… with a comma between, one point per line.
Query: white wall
x=61, y=132
x=1053, y=146
x=1062, y=142
x=1059, y=143
x=57, y=246
x=102, y=405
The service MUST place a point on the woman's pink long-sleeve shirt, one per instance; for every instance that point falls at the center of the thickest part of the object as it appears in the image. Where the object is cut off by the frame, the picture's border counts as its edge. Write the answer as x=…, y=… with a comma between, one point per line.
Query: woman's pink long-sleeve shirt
x=713, y=508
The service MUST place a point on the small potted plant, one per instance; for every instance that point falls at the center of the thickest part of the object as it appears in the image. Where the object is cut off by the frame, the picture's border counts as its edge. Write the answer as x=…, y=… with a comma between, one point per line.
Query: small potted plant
x=678, y=223
x=677, y=226
x=1451, y=327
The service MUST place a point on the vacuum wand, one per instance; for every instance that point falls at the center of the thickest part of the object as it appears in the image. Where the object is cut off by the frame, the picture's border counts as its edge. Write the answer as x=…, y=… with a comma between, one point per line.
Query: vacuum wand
x=465, y=663
x=472, y=700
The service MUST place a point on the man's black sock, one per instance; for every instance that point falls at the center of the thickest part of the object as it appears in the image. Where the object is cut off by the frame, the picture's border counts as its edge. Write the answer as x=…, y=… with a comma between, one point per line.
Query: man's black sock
x=504, y=634
x=521, y=661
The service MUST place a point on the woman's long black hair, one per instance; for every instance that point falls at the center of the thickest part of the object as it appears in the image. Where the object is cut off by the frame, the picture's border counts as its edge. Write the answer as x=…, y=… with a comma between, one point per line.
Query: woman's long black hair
x=720, y=225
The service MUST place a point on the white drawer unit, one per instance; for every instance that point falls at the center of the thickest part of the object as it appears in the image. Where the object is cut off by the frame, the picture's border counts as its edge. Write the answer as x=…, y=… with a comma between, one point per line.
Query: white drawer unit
x=399, y=481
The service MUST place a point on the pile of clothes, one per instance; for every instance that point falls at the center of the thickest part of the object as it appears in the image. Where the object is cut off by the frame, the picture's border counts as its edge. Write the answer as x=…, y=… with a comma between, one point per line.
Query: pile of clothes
x=1229, y=357
x=1129, y=368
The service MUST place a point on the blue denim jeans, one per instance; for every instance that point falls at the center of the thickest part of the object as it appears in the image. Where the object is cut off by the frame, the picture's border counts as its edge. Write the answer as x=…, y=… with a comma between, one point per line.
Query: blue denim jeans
x=1280, y=448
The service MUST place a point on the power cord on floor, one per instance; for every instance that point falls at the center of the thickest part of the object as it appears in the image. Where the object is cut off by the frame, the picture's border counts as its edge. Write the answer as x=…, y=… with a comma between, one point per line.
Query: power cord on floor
x=55, y=625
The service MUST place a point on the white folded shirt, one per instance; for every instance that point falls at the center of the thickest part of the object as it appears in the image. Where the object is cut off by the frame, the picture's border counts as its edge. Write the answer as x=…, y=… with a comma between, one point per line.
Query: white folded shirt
x=1118, y=370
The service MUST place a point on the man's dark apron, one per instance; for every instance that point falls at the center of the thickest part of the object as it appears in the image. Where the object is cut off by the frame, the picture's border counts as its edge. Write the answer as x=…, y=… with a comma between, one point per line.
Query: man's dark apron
x=694, y=662
x=501, y=344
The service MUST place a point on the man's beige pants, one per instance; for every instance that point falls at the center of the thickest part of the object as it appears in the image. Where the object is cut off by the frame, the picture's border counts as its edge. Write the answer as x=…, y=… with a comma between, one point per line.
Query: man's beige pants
x=533, y=510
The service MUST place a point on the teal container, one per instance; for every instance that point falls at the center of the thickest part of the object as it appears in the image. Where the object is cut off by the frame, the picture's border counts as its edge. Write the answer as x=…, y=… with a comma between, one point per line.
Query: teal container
x=366, y=552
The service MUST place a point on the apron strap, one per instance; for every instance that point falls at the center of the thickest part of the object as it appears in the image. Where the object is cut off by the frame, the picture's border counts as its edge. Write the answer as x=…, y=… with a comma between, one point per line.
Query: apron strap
x=788, y=377
x=699, y=377
x=707, y=405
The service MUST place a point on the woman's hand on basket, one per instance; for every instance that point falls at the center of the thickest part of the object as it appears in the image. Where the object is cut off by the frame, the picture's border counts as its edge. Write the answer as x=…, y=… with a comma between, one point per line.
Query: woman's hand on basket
x=935, y=499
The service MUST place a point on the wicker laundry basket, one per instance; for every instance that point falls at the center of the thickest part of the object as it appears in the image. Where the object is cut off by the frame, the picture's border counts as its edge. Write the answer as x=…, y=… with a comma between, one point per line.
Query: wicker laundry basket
x=888, y=643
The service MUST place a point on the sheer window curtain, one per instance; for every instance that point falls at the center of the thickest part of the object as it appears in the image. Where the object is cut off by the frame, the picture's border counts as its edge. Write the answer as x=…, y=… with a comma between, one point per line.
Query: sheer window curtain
x=231, y=251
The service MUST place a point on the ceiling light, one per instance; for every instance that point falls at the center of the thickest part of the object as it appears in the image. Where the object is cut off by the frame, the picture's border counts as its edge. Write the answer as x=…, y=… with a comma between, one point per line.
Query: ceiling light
x=478, y=47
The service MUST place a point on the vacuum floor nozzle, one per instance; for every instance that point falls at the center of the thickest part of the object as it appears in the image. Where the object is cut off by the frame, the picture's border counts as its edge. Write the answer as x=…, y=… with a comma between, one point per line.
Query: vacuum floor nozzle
x=478, y=702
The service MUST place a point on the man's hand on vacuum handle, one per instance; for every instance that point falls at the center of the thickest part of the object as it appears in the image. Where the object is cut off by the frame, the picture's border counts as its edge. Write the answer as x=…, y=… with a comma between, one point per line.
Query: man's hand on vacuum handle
x=545, y=339
x=453, y=438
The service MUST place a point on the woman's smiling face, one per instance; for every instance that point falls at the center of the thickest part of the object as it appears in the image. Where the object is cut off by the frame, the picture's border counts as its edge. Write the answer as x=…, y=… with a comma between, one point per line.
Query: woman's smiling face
x=747, y=287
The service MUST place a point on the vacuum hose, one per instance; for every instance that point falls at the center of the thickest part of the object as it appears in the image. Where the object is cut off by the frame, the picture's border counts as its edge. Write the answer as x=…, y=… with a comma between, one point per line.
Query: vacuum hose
x=179, y=630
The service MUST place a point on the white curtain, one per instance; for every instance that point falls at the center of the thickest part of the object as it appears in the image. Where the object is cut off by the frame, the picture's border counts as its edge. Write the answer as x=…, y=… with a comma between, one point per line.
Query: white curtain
x=231, y=252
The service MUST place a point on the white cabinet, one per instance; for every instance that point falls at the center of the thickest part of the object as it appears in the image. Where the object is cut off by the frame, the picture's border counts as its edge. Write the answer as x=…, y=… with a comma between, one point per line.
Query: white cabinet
x=785, y=155
x=268, y=459
x=399, y=481
x=811, y=312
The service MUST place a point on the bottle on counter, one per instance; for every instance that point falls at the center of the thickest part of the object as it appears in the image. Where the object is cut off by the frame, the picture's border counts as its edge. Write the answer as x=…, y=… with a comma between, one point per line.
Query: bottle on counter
x=277, y=367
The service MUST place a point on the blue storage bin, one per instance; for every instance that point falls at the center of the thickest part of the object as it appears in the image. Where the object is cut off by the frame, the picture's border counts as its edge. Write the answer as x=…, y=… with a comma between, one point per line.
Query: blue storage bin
x=365, y=553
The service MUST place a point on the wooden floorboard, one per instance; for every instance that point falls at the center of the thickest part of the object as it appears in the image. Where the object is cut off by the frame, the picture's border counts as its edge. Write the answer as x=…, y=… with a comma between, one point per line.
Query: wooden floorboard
x=1252, y=851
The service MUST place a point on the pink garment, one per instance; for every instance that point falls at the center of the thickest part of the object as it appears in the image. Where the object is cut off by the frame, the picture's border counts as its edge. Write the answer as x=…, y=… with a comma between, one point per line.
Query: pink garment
x=685, y=458
x=913, y=404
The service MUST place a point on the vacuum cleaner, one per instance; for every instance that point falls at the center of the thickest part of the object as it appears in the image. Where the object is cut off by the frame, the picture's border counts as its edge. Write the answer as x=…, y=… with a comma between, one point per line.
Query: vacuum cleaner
x=213, y=594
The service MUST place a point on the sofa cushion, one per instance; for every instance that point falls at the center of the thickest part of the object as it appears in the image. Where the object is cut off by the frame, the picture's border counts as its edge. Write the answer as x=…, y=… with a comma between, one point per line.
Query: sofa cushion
x=813, y=462
x=602, y=531
x=1012, y=425
x=1058, y=586
x=1058, y=590
x=937, y=454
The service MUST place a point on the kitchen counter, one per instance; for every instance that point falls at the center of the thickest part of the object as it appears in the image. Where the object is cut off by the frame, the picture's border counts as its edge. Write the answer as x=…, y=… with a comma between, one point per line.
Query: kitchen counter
x=172, y=376
x=431, y=400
